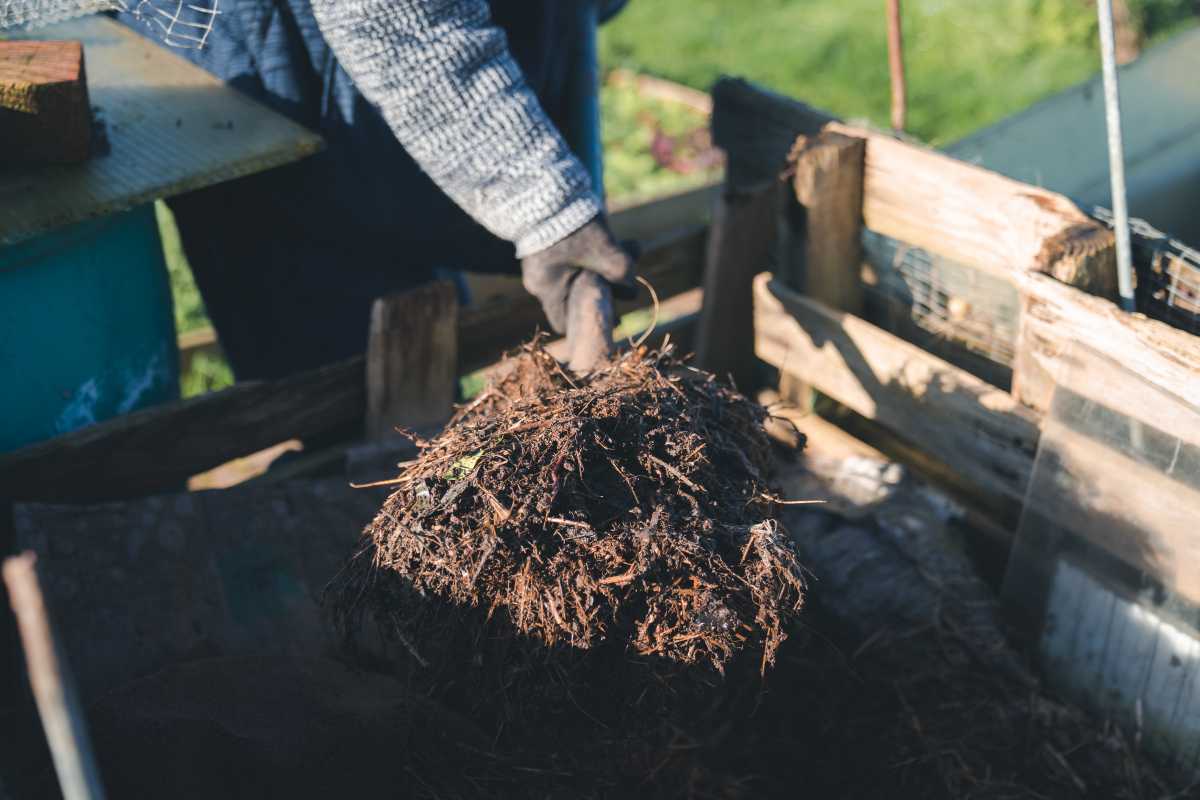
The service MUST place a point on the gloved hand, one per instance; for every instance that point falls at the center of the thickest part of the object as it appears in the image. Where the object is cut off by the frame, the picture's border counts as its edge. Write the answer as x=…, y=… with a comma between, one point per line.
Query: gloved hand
x=590, y=320
x=550, y=275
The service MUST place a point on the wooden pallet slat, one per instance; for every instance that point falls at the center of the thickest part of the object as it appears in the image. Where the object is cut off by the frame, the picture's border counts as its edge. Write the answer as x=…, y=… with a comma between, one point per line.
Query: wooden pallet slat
x=44, y=111
x=1053, y=316
x=980, y=218
x=956, y=417
x=412, y=359
x=158, y=449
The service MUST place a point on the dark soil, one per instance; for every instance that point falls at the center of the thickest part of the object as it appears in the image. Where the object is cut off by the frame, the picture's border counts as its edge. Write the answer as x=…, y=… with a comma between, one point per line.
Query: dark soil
x=592, y=573
x=585, y=591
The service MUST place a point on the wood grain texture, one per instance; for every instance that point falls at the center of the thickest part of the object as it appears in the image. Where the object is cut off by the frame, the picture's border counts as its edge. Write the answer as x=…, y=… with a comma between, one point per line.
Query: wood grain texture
x=819, y=231
x=170, y=126
x=977, y=217
x=953, y=415
x=1053, y=316
x=412, y=359
x=159, y=448
x=829, y=186
x=44, y=110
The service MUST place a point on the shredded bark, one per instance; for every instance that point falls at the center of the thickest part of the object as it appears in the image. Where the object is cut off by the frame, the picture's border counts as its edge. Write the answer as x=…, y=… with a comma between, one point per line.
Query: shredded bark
x=630, y=505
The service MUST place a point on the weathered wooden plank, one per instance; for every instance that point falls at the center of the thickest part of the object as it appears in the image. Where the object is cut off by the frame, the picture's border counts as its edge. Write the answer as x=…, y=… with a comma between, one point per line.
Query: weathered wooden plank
x=157, y=449
x=44, y=111
x=1053, y=316
x=412, y=359
x=820, y=231
x=739, y=246
x=955, y=416
x=829, y=186
x=757, y=128
x=1084, y=491
x=977, y=217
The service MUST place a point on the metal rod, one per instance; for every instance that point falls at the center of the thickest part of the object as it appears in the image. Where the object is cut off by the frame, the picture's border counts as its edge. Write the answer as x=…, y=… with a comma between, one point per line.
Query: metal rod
x=57, y=704
x=896, y=65
x=1116, y=154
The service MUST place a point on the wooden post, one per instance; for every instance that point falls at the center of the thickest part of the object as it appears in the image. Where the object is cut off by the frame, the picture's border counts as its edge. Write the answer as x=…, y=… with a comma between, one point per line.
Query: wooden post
x=896, y=66
x=412, y=359
x=44, y=111
x=739, y=246
x=57, y=702
x=828, y=184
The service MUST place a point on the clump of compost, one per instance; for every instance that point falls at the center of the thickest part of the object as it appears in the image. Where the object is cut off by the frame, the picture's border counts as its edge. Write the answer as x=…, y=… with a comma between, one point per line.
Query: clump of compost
x=630, y=505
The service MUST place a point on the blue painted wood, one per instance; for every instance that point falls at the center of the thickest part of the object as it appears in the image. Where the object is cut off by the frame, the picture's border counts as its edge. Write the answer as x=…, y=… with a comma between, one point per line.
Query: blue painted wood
x=87, y=327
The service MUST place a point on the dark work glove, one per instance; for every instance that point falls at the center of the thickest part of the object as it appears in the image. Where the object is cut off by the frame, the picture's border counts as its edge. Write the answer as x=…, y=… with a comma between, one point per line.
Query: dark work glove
x=590, y=321
x=549, y=274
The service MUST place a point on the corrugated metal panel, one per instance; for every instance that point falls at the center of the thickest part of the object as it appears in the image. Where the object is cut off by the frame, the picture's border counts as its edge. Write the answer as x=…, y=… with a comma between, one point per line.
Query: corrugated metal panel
x=171, y=128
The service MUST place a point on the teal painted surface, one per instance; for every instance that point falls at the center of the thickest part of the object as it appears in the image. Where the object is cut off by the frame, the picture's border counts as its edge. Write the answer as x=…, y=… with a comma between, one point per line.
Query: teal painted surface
x=87, y=329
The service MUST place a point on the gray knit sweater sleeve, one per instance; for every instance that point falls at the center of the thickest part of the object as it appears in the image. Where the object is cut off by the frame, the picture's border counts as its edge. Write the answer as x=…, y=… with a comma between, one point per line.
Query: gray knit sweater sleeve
x=441, y=74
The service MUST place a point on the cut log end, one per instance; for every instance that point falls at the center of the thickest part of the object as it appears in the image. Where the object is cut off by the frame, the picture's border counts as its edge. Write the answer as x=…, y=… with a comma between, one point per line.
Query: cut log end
x=44, y=112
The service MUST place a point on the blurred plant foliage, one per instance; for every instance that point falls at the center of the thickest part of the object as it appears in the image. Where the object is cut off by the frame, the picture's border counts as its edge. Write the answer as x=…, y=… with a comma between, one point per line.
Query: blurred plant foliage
x=970, y=62
x=652, y=146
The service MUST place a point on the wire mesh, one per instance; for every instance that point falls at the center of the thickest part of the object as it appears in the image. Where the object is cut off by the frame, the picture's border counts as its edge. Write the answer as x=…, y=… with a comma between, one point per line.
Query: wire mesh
x=177, y=23
x=912, y=291
x=970, y=317
x=1167, y=274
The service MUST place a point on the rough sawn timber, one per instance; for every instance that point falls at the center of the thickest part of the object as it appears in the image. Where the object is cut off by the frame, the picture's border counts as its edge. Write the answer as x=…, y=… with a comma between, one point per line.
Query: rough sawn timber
x=1053, y=316
x=829, y=182
x=956, y=417
x=412, y=359
x=44, y=110
x=980, y=218
x=158, y=449
x=739, y=246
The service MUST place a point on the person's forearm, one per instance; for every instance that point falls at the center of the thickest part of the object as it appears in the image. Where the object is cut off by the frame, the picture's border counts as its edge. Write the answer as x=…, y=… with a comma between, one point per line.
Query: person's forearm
x=441, y=74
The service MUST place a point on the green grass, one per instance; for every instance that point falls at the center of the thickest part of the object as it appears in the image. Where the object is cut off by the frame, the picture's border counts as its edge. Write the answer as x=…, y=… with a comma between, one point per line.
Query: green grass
x=208, y=372
x=969, y=62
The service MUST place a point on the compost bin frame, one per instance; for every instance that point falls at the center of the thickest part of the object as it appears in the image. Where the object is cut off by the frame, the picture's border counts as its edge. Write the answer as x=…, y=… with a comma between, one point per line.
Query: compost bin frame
x=801, y=189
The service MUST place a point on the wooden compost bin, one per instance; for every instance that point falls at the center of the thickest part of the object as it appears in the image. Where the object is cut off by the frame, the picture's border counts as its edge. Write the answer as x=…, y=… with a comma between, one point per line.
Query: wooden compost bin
x=957, y=378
